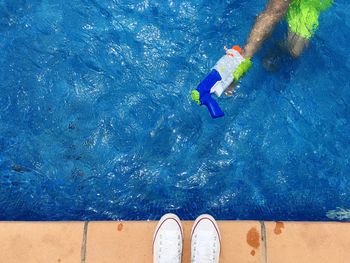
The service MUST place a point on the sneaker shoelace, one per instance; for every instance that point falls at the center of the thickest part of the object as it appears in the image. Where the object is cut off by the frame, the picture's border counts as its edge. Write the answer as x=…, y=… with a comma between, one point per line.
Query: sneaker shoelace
x=204, y=251
x=170, y=248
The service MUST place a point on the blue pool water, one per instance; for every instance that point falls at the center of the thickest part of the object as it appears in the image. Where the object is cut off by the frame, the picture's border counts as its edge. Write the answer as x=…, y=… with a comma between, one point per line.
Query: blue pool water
x=96, y=120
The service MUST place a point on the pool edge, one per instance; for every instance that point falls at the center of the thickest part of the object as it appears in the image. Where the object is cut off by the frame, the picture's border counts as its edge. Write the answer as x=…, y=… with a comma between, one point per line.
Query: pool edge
x=131, y=241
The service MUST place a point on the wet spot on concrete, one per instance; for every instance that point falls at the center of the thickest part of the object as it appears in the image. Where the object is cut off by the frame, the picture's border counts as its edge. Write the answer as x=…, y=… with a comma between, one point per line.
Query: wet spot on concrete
x=120, y=227
x=253, y=238
x=278, y=228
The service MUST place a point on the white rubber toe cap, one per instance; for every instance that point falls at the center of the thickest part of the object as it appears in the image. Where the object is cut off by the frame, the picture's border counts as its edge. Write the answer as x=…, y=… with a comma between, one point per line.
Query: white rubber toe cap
x=167, y=240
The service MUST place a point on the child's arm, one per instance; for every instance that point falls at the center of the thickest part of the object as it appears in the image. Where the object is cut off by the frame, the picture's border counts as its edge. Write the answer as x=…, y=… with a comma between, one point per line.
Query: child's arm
x=264, y=25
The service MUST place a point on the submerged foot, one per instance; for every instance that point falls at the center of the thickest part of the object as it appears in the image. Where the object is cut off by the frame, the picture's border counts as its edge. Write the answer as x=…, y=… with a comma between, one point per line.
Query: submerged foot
x=274, y=57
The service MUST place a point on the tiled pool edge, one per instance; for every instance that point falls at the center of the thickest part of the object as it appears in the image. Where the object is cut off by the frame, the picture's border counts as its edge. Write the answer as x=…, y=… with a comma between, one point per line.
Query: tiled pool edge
x=131, y=241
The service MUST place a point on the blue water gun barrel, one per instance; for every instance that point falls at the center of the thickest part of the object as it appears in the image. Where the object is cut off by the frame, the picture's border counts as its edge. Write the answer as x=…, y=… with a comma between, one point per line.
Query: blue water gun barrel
x=203, y=96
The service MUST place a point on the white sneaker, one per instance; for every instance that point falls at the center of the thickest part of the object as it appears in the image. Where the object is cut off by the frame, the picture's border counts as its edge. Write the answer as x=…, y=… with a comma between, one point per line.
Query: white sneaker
x=205, y=240
x=167, y=240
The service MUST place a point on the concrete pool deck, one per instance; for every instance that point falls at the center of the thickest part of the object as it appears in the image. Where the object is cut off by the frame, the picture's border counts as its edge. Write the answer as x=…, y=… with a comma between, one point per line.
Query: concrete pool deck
x=131, y=242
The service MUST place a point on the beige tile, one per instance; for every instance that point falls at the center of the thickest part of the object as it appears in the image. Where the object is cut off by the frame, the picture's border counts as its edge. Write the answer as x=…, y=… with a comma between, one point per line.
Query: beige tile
x=308, y=242
x=119, y=242
x=131, y=242
x=241, y=242
x=40, y=242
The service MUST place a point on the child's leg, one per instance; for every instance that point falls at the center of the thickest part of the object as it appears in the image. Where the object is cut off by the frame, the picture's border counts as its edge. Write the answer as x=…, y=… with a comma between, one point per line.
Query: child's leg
x=296, y=44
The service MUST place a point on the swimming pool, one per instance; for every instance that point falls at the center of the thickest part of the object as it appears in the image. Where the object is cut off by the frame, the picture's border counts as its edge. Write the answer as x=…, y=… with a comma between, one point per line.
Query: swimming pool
x=96, y=120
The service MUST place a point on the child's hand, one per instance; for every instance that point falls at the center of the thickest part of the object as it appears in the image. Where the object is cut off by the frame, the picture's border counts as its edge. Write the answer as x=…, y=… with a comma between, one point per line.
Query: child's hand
x=229, y=91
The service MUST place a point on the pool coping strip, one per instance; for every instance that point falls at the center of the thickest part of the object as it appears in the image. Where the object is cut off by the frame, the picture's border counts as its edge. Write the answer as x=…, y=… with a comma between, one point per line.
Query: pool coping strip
x=248, y=241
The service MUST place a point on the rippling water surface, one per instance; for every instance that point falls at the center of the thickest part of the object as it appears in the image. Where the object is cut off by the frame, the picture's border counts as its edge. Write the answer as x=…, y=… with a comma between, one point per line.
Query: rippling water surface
x=96, y=121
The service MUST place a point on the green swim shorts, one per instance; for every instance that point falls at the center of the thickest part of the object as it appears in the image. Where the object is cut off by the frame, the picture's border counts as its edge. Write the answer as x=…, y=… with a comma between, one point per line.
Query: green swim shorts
x=302, y=16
